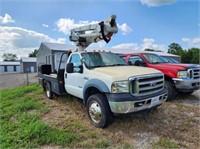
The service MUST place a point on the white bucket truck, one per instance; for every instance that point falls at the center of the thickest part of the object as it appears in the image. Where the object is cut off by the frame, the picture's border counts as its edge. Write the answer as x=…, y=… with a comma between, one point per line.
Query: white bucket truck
x=105, y=83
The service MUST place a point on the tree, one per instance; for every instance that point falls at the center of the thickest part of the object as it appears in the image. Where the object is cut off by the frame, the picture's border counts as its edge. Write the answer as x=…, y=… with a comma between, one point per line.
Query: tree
x=9, y=57
x=192, y=55
x=33, y=54
x=187, y=56
x=175, y=48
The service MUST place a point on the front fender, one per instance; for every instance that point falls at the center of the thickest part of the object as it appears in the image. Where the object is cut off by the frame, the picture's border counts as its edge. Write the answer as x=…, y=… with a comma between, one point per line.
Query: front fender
x=98, y=84
x=170, y=74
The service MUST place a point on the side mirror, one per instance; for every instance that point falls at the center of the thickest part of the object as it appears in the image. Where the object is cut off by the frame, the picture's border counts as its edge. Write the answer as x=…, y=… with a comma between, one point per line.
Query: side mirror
x=140, y=63
x=143, y=63
x=70, y=68
x=137, y=63
x=129, y=63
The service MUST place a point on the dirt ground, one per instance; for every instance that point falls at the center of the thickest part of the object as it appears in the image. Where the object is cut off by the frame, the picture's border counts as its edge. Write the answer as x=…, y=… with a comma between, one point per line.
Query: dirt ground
x=13, y=80
x=174, y=122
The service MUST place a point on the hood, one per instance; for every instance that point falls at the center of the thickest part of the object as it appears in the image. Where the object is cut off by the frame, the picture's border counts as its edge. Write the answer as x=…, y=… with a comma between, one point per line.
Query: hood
x=171, y=66
x=191, y=65
x=124, y=72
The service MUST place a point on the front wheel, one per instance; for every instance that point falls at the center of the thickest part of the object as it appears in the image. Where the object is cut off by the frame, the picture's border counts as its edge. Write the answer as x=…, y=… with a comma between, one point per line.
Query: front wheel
x=99, y=111
x=171, y=90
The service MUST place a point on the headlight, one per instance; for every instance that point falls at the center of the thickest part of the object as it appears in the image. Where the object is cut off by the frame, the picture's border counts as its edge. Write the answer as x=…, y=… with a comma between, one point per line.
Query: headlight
x=182, y=74
x=120, y=87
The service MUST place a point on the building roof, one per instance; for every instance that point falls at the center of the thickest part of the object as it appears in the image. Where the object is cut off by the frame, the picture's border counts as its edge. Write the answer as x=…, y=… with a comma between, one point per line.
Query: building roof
x=28, y=59
x=57, y=46
x=9, y=63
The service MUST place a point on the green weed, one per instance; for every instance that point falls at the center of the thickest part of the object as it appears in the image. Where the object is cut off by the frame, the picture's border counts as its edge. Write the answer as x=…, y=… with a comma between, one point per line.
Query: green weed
x=102, y=144
x=166, y=143
x=20, y=122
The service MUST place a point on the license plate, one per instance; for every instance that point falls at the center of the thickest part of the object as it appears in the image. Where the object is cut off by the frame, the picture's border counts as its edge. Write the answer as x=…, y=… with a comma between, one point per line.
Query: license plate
x=154, y=101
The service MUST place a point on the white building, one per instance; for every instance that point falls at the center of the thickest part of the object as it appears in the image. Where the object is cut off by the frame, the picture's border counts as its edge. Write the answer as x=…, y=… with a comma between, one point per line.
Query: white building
x=10, y=67
x=28, y=64
x=25, y=65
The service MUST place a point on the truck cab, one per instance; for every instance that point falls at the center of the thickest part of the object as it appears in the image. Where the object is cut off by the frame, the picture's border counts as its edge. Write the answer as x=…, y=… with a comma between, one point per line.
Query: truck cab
x=179, y=78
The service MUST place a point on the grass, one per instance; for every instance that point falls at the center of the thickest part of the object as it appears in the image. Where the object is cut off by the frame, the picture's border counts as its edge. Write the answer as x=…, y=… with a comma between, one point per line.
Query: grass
x=20, y=122
x=22, y=126
x=166, y=143
x=102, y=144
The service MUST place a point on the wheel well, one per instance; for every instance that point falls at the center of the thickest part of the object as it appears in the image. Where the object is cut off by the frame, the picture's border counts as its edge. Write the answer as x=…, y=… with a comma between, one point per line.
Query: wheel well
x=90, y=91
x=45, y=83
x=168, y=79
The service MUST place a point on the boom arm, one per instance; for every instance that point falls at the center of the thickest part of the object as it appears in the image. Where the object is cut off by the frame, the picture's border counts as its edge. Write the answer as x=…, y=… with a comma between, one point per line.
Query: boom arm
x=85, y=35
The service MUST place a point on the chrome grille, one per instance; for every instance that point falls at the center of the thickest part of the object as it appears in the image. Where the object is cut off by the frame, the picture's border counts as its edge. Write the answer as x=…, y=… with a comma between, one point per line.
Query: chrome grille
x=194, y=73
x=147, y=84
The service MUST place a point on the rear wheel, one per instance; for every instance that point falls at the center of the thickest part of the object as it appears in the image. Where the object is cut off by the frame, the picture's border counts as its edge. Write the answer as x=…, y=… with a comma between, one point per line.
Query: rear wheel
x=49, y=93
x=171, y=90
x=99, y=111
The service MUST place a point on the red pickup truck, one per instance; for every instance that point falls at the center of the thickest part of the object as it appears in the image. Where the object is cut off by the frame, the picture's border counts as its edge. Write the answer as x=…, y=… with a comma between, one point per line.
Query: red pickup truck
x=179, y=78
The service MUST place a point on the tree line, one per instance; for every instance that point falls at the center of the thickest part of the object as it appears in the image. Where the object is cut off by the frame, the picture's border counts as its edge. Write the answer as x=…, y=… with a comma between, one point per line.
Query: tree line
x=13, y=57
x=187, y=56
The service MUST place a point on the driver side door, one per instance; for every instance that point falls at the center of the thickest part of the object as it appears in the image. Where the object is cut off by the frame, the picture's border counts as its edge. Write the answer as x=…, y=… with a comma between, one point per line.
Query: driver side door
x=74, y=81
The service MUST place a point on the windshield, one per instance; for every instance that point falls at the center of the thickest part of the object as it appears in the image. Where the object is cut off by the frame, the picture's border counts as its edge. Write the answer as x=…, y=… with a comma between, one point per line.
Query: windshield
x=171, y=60
x=102, y=59
x=154, y=58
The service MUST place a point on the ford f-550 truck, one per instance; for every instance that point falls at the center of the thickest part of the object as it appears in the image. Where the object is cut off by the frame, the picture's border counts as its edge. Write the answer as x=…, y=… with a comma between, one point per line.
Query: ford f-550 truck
x=105, y=83
x=179, y=78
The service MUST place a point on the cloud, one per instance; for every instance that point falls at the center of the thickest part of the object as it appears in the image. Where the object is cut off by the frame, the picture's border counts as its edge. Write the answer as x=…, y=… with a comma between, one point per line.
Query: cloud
x=21, y=41
x=192, y=42
x=125, y=28
x=6, y=19
x=45, y=25
x=147, y=43
x=64, y=25
x=156, y=3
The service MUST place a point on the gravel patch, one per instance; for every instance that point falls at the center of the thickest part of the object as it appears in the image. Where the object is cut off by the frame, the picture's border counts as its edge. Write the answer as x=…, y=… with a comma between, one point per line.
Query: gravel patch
x=13, y=80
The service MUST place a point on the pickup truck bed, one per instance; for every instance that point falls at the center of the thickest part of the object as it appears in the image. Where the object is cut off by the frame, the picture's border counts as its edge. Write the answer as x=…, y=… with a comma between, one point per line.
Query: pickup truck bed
x=56, y=82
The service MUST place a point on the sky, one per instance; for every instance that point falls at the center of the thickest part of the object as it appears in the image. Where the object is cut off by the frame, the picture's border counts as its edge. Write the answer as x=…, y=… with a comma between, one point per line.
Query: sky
x=142, y=24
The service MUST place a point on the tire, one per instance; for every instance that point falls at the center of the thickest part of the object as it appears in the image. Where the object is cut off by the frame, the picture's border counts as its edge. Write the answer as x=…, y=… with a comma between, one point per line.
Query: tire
x=49, y=93
x=186, y=93
x=171, y=90
x=99, y=111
